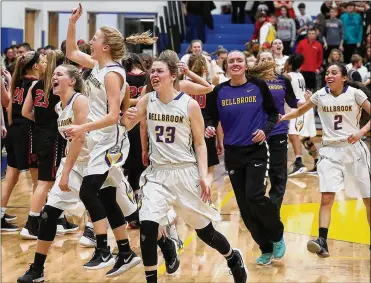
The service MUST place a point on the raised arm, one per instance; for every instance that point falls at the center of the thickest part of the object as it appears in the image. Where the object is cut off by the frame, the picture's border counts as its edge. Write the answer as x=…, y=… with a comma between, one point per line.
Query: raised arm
x=27, y=109
x=73, y=52
x=295, y=113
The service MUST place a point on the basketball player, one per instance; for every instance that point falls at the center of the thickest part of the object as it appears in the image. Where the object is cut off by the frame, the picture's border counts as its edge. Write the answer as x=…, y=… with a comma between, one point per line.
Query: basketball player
x=174, y=178
x=303, y=126
x=279, y=58
x=28, y=70
x=39, y=107
x=344, y=157
x=282, y=93
x=72, y=110
x=107, y=141
x=246, y=151
x=136, y=77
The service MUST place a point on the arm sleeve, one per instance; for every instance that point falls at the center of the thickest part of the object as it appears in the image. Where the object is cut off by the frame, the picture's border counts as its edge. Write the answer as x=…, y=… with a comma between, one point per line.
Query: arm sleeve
x=314, y=98
x=360, y=96
x=269, y=107
x=211, y=113
x=290, y=96
x=341, y=30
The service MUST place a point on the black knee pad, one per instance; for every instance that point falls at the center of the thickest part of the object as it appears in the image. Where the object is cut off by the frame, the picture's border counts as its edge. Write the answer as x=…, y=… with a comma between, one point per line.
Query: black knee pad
x=134, y=217
x=114, y=213
x=214, y=239
x=89, y=196
x=48, y=223
x=148, y=242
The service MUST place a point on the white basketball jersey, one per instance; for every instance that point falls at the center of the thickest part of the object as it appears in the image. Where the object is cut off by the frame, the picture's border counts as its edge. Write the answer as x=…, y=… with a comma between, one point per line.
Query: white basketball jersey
x=280, y=64
x=169, y=130
x=65, y=121
x=339, y=115
x=97, y=93
x=298, y=85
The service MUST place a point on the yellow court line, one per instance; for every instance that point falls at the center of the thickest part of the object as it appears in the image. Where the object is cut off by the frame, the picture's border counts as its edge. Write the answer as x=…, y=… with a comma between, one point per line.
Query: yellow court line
x=193, y=235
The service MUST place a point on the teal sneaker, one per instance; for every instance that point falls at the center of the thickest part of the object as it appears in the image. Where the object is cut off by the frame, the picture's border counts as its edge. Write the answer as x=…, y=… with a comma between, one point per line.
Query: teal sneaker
x=265, y=259
x=279, y=249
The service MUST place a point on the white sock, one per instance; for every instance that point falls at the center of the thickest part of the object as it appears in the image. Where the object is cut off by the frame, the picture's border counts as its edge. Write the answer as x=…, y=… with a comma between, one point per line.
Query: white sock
x=62, y=215
x=89, y=224
x=2, y=212
x=298, y=156
x=34, y=213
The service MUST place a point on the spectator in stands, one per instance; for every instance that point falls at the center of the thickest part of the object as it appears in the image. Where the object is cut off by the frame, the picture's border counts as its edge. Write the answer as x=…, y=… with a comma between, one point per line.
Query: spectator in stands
x=63, y=46
x=48, y=48
x=238, y=12
x=197, y=17
x=333, y=34
x=266, y=47
x=366, y=7
x=286, y=30
x=266, y=7
x=357, y=72
x=261, y=18
x=367, y=58
x=10, y=59
x=268, y=31
x=252, y=47
x=23, y=48
x=304, y=21
x=336, y=56
x=353, y=31
x=312, y=51
x=325, y=9
x=288, y=4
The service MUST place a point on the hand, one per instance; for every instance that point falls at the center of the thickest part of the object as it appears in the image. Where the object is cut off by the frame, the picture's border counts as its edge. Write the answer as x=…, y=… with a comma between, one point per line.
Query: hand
x=219, y=149
x=318, y=71
x=305, y=27
x=76, y=14
x=325, y=46
x=63, y=183
x=307, y=95
x=205, y=190
x=358, y=45
x=210, y=132
x=283, y=118
x=292, y=44
x=7, y=75
x=259, y=136
x=353, y=138
x=341, y=48
x=74, y=131
x=3, y=132
x=145, y=158
x=183, y=68
x=131, y=113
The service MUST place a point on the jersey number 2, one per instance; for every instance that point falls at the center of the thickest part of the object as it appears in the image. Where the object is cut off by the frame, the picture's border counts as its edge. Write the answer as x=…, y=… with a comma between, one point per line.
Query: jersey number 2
x=338, y=119
x=169, y=134
x=39, y=96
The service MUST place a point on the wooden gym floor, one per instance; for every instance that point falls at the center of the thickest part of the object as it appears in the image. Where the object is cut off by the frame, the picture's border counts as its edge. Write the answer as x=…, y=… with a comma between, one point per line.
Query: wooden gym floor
x=349, y=239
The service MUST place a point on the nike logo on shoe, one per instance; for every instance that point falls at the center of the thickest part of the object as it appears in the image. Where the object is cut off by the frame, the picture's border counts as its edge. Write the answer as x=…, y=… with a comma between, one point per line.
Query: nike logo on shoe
x=126, y=260
x=105, y=259
x=258, y=165
x=172, y=265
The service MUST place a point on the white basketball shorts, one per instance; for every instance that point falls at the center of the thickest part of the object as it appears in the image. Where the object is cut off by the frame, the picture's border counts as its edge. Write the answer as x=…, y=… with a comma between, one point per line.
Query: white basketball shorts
x=345, y=166
x=177, y=186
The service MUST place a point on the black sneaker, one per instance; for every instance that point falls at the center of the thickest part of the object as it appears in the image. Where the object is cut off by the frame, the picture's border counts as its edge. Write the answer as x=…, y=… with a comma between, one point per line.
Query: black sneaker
x=298, y=168
x=10, y=218
x=171, y=257
x=319, y=247
x=31, y=229
x=64, y=227
x=31, y=276
x=239, y=270
x=101, y=259
x=313, y=171
x=124, y=262
x=88, y=238
x=8, y=227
